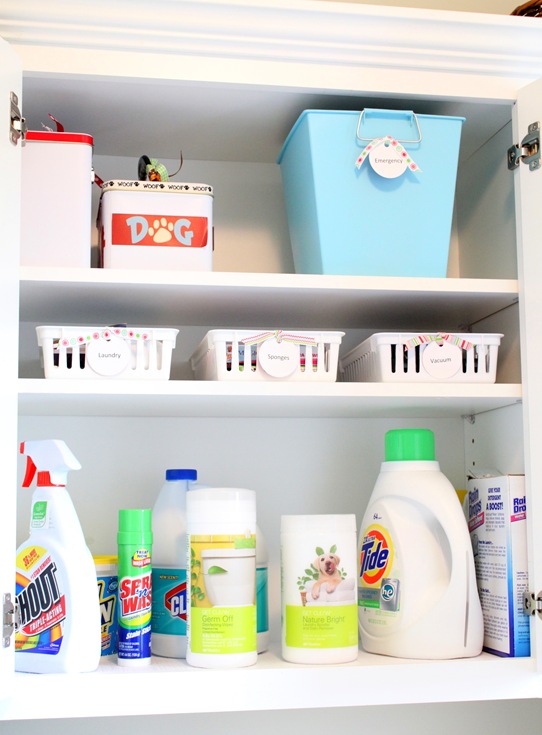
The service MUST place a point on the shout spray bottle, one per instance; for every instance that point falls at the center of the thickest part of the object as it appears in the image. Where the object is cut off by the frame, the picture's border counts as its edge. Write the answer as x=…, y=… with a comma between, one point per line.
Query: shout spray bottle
x=59, y=611
x=135, y=587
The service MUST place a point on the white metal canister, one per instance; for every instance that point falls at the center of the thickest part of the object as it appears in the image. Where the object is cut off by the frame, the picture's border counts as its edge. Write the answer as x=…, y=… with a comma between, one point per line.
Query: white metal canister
x=221, y=529
x=56, y=199
x=319, y=589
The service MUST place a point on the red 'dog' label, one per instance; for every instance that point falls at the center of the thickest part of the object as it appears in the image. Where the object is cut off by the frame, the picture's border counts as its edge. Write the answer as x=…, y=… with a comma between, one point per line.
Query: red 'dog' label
x=162, y=230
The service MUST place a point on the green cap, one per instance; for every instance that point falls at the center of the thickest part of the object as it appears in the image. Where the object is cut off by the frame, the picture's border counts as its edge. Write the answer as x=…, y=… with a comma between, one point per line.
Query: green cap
x=409, y=445
x=135, y=527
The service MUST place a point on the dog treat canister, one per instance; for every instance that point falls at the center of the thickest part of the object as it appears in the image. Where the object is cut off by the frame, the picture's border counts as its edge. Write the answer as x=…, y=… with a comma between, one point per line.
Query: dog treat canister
x=319, y=589
x=221, y=528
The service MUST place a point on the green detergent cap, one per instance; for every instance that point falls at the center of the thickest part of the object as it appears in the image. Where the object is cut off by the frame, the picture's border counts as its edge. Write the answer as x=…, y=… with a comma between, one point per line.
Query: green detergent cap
x=135, y=526
x=404, y=445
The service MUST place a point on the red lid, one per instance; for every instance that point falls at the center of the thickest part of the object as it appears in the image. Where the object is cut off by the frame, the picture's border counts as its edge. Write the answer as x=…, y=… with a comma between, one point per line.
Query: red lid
x=51, y=136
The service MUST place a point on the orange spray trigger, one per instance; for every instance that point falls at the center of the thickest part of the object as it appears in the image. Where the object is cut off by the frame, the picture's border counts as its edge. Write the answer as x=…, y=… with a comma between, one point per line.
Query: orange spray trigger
x=30, y=472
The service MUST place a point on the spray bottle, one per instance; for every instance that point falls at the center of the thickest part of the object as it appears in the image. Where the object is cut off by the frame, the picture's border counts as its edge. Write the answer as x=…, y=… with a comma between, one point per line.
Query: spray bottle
x=59, y=612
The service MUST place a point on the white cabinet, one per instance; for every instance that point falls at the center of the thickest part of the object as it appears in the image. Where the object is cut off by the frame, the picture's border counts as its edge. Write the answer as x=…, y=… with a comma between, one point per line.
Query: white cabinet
x=10, y=81
x=225, y=81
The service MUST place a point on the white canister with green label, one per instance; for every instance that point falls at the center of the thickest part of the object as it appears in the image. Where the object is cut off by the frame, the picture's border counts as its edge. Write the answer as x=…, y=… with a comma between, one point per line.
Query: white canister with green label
x=319, y=589
x=221, y=529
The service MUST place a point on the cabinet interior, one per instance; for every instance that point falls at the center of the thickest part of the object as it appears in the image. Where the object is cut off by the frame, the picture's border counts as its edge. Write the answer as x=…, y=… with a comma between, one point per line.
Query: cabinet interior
x=313, y=460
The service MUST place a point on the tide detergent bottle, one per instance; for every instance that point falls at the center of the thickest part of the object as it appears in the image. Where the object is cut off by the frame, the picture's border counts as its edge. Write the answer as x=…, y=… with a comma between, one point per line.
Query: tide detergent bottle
x=56, y=593
x=417, y=593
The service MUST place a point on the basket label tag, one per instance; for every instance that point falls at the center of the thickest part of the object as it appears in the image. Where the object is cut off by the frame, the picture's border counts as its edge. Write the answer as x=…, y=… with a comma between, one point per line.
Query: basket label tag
x=108, y=357
x=387, y=157
x=441, y=359
x=278, y=359
x=387, y=162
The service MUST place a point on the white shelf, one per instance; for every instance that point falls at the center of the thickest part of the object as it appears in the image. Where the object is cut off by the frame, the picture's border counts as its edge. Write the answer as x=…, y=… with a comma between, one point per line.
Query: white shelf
x=229, y=299
x=173, y=687
x=222, y=399
x=258, y=300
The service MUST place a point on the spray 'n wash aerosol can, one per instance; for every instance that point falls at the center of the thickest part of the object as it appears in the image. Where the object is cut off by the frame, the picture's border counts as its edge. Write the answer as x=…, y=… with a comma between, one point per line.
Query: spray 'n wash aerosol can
x=59, y=610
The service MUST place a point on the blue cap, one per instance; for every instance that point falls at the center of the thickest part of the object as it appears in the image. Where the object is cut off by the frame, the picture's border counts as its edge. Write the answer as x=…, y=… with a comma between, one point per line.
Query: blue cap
x=173, y=475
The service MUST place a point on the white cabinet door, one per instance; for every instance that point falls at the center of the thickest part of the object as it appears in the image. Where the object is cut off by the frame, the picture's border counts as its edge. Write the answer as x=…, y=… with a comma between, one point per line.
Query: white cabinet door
x=528, y=110
x=10, y=156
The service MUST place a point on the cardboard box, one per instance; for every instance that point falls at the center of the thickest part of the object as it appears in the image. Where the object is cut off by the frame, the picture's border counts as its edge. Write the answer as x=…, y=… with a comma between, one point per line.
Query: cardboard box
x=497, y=516
x=156, y=225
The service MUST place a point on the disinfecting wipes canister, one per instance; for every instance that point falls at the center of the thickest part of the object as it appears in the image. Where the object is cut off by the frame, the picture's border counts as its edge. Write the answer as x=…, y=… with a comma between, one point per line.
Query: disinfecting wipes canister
x=108, y=582
x=319, y=590
x=221, y=527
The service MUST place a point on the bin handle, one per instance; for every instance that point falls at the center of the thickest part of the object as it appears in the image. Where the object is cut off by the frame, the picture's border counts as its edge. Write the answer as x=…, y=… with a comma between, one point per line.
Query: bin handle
x=399, y=140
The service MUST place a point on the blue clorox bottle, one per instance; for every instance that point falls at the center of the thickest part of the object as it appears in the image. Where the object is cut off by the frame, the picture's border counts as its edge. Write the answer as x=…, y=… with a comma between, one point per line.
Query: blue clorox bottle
x=169, y=613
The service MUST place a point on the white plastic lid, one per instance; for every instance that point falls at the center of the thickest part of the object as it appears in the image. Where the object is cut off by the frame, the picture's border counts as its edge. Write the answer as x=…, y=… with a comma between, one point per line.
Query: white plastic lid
x=227, y=553
x=105, y=562
x=333, y=523
x=221, y=505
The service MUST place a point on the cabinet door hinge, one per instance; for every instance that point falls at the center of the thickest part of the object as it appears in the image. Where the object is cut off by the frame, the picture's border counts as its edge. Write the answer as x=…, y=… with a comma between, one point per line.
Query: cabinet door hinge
x=8, y=619
x=532, y=604
x=17, y=123
x=529, y=152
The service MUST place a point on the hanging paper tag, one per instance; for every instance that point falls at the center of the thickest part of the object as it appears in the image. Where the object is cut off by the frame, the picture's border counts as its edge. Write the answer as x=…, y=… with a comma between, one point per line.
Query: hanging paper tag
x=387, y=157
x=387, y=162
x=441, y=359
x=278, y=359
x=108, y=357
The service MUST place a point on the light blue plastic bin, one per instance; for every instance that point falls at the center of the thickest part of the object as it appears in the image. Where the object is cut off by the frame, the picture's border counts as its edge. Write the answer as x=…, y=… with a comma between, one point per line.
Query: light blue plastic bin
x=352, y=221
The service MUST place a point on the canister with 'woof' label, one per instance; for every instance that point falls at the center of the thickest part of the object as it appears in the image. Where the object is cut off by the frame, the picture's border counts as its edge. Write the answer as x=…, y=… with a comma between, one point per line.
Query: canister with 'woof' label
x=156, y=224
x=319, y=591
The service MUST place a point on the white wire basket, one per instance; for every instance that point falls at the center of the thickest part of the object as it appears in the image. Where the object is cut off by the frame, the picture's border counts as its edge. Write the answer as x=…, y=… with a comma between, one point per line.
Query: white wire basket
x=272, y=355
x=432, y=357
x=118, y=352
